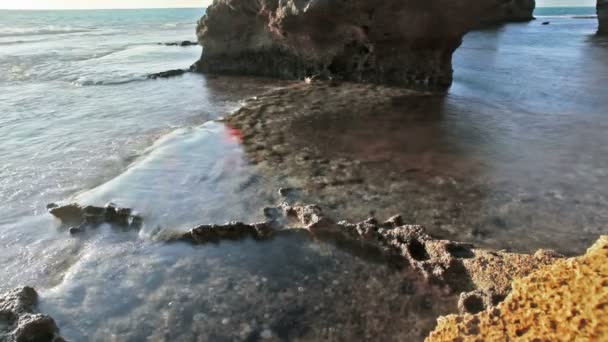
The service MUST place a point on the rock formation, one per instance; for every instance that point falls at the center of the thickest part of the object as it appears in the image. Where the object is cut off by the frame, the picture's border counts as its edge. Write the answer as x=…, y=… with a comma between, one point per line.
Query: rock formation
x=510, y=11
x=484, y=276
x=78, y=217
x=408, y=43
x=19, y=323
x=567, y=301
x=602, y=16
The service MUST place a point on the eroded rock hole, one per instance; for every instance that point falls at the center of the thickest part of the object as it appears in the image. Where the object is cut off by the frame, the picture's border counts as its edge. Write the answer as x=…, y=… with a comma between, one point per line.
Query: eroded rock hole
x=417, y=251
x=473, y=304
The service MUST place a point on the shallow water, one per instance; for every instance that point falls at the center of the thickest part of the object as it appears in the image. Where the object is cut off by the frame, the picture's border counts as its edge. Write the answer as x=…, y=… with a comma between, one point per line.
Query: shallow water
x=515, y=156
x=525, y=118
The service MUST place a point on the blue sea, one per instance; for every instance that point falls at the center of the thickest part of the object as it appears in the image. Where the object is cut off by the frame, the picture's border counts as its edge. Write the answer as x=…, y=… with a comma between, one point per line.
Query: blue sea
x=79, y=121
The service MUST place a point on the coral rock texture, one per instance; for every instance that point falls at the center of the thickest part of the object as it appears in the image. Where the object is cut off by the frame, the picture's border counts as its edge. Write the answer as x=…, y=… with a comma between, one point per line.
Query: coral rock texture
x=566, y=301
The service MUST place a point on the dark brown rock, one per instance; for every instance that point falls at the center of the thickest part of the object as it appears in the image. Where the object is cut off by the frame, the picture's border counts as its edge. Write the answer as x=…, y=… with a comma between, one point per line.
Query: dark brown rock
x=408, y=43
x=168, y=74
x=230, y=231
x=79, y=218
x=602, y=17
x=504, y=11
x=70, y=214
x=19, y=322
x=184, y=43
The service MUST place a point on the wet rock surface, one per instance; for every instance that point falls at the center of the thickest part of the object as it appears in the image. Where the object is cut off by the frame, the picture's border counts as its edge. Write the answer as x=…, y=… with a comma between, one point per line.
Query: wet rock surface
x=168, y=74
x=510, y=11
x=456, y=266
x=361, y=149
x=78, y=218
x=19, y=322
x=565, y=301
x=602, y=16
x=184, y=43
x=396, y=42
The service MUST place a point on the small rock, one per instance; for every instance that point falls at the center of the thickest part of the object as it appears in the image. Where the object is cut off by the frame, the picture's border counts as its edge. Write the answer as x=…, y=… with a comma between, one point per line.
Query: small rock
x=68, y=214
x=168, y=74
x=35, y=328
x=52, y=205
x=136, y=222
x=75, y=230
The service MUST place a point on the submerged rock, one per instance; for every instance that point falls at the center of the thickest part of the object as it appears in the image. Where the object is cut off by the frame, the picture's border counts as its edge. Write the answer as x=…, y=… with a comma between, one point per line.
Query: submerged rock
x=19, y=322
x=182, y=43
x=214, y=233
x=168, y=74
x=485, y=276
x=566, y=301
x=408, y=43
x=602, y=17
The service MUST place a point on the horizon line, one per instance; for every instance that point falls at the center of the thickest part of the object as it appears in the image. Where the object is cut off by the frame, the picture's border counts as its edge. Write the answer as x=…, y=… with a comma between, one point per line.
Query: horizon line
x=156, y=8
x=96, y=9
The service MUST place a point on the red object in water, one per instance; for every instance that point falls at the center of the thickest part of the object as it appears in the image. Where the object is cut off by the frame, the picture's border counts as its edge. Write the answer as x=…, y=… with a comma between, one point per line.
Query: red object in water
x=235, y=134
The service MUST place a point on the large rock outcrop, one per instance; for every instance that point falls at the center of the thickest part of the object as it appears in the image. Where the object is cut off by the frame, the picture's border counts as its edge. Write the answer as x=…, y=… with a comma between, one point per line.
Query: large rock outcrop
x=510, y=11
x=602, y=17
x=408, y=43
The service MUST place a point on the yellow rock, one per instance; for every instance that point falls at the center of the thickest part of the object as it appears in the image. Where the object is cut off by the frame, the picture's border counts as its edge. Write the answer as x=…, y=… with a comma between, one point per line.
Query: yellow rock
x=565, y=301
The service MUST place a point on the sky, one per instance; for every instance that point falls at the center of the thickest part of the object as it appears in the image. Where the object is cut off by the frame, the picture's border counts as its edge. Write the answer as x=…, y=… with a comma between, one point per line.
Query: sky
x=90, y=4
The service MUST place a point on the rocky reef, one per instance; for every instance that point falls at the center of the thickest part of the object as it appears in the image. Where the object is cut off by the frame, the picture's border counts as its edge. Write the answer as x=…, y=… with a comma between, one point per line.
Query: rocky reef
x=566, y=301
x=19, y=322
x=602, y=16
x=483, y=277
x=502, y=294
x=510, y=11
x=78, y=218
x=407, y=43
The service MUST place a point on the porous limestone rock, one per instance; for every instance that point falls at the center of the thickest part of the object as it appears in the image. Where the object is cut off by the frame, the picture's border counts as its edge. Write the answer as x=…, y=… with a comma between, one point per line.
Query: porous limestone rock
x=566, y=301
x=602, y=17
x=19, y=322
x=408, y=43
x=457, y=266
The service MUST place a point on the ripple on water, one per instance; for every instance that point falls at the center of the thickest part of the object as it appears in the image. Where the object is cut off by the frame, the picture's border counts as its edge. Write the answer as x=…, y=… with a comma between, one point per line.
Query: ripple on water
x=290, y=288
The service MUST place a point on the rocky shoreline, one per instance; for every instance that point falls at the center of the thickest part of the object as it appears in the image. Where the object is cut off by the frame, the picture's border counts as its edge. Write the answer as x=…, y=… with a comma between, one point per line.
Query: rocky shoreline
x=483, y=278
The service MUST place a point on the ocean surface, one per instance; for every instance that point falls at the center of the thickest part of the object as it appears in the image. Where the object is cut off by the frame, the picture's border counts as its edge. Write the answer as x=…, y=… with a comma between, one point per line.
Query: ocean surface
x=79, y=121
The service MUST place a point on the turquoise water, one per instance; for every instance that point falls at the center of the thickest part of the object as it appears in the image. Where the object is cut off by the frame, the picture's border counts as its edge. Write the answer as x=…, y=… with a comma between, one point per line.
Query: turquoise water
x=80, y=121
x=564, y=11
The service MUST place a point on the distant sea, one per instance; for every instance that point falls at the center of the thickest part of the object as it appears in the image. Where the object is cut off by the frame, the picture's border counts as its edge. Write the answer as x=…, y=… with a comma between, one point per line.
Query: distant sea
x=564, y=11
